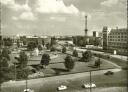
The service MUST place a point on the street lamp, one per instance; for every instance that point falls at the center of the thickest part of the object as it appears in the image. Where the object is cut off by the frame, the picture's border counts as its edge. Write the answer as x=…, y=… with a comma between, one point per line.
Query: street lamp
x=26, y=84
x=90, y=81
x=15, y=70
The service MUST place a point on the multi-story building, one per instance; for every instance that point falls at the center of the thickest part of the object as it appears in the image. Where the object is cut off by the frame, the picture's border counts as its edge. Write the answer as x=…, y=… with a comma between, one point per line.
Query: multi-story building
x=105, y=37
x=0, y=39
x=115, y=39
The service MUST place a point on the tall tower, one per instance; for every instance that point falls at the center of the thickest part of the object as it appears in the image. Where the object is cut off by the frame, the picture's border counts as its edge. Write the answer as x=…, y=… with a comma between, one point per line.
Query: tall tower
x=86, y=29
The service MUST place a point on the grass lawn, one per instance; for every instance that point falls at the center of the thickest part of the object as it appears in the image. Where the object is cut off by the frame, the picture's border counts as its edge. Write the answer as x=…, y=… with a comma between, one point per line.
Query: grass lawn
x=56, y=65
x=59, y=68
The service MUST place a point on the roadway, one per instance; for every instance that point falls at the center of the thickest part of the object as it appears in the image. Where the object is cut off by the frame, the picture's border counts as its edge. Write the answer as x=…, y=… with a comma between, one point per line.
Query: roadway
x=124, y=58
x=73, y=81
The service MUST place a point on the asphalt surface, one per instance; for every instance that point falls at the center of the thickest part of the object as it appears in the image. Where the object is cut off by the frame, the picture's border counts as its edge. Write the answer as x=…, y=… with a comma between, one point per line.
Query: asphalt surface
x=50, y=84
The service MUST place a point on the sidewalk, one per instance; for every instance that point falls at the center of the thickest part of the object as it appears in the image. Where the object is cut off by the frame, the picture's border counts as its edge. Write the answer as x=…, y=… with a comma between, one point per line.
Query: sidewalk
x=115, y=56
x=120, y=57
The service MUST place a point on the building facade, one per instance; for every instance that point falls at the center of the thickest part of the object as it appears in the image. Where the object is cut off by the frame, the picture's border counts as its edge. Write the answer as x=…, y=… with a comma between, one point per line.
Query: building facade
x=95, y=34
x=105, y=39
x=115, y=39
x=40, y=40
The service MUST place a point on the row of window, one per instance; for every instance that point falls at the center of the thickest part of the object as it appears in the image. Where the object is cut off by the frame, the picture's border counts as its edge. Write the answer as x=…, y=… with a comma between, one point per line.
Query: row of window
x=122, y=33
x=118, y=44
x=117, y=39
x=117, y=36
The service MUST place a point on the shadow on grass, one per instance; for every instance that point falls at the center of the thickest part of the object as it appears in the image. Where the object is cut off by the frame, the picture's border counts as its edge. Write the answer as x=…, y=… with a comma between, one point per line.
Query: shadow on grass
x=59, y=70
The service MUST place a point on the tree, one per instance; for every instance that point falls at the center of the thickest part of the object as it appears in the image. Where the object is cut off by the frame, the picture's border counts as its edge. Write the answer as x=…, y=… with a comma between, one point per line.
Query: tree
x=98, y=62
x=31, y=45
x=43, y=42
x=47, y=46
x=52, y=49
x=64, y=50
x=53, y=41
x=40, y=47
x=24, y=42
x=69, y=63
x=86, y=56
x=5, y=53
x=81, y=42
x=3, y=69
x=18, y=43
x=22, y=73
x=7, y=42
x=23, y=60
x=96, y=42
x=75, y=53
x=45, y=59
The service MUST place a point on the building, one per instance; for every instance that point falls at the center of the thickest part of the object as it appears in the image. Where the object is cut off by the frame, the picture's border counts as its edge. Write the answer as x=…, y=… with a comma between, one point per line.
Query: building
x=115, y=39
x=105, y=39
x=95, y=34
x=38, y=39
x=0, y=38
x=100, y=34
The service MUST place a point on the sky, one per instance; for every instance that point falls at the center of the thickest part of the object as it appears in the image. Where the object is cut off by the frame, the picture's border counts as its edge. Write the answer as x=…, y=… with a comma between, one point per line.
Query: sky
x=61, y=17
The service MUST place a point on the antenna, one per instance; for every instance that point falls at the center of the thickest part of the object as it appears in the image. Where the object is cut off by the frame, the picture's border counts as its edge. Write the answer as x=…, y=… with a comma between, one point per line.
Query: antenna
x=86, y=29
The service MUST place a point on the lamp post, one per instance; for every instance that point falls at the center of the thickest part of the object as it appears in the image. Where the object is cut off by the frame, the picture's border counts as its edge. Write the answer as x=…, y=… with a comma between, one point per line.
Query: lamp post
x=99, y=62
x=15, y=70
x=26, y=84
x=90, y=82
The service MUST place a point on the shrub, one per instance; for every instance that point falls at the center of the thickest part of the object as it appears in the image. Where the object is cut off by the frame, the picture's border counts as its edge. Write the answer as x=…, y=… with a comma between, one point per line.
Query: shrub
x=86, y=56
x=45, y=59
x=64, y=50
x=75, y=53
x=69, y=63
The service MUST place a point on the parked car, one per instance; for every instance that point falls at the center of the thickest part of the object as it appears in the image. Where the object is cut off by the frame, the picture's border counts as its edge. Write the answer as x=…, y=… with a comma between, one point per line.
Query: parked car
x=88, y=85
x=28, y=90
x=62, y=87
x=109, y=73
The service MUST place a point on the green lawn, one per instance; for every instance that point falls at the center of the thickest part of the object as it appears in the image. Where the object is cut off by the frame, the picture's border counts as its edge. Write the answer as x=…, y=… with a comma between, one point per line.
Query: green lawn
x=56, y=65
x=54, y=68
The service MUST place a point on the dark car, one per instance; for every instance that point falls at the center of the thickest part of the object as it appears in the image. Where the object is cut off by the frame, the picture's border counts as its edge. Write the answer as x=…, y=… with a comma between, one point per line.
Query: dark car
x=109, y=73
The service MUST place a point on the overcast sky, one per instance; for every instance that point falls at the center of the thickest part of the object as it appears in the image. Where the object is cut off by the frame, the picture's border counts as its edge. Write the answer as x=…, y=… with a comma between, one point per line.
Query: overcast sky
x=61, y=17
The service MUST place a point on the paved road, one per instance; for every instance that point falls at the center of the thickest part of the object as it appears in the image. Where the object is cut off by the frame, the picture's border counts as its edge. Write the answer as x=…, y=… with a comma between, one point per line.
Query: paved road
x=43, y=84
x=116, y=56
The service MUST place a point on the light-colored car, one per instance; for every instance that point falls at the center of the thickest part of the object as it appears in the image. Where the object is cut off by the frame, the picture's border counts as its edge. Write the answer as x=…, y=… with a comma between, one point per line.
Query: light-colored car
x=92, y=85
x=28, y=90
x=62, y=87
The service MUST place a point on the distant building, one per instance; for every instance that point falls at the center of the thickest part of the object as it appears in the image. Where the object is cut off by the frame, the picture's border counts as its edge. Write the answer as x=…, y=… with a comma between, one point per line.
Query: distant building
x=95, y=34
x=100, y=34
x=105, y=39
x=0, y=38
x=40, y=40
x=115, y=39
